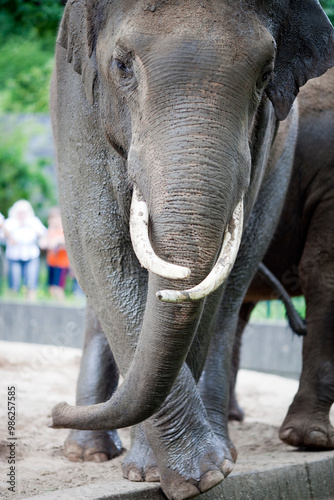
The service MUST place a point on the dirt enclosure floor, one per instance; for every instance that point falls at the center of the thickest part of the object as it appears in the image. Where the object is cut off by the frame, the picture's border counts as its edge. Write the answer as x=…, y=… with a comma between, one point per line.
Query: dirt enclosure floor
x=45, y=375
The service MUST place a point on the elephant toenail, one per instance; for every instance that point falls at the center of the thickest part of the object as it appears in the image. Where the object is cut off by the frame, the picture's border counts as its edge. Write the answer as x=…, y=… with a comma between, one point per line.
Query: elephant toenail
x=210, y=479
x=227, y=467
x=96, y=457
x=317, y=438
x=134, y=475
x=286, y=433
x=152, y=475
x=73, y=457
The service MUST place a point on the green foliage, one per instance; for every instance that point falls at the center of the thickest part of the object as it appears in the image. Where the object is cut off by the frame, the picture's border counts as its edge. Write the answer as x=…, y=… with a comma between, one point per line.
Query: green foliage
x=22, y=179
x=275, y=309
x=21, y=17
x=26, y=67
x=328, y=6
x=27, y=35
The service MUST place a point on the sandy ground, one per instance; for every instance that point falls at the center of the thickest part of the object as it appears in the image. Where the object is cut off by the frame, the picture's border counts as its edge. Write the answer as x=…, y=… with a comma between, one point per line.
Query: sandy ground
x=45, y=375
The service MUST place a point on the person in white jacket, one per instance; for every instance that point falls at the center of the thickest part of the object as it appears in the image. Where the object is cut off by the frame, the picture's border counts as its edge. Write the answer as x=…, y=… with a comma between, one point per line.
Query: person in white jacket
x=22, y=231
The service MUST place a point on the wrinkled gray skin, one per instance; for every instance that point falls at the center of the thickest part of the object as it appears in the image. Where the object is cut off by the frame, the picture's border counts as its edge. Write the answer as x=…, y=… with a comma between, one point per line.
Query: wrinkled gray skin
x=301, y=256
x=179, y=101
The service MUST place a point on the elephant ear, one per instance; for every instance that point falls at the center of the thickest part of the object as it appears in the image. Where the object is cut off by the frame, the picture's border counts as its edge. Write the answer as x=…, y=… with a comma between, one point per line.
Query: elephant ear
x=305, y=49
x=78, y=31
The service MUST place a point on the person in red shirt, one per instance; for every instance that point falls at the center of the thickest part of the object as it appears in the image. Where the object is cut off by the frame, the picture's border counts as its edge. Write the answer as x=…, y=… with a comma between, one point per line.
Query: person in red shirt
x=56, y=256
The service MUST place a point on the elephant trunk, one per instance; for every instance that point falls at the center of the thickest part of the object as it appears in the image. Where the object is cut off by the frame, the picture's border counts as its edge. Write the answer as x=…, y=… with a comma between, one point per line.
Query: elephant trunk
x=189, y=216
x=167, y=334
x=159, y=356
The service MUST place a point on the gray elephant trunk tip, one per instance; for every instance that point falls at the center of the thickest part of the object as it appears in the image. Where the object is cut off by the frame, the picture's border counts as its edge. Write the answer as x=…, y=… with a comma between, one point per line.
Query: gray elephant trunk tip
x=57, y=416
x=65, y=416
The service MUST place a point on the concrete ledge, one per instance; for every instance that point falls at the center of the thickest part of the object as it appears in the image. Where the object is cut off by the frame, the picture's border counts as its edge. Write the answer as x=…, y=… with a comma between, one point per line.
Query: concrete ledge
x=271, y=347
x=313, y=479
x=42, y=323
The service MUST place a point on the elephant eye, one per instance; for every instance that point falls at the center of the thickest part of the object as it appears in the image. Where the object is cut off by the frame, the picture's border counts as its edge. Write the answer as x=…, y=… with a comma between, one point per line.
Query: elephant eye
x=124, y=68
x=266, y=77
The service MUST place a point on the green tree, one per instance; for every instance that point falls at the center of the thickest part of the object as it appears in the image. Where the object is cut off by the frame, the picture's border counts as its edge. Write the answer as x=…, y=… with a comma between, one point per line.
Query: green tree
x=328, y=6
x=27, y=35
x=21, y=178
x=20, y=17
x=26, y=67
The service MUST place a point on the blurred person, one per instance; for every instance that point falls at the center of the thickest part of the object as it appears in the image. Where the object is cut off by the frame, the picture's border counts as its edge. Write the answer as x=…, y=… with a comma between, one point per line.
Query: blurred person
x=22, y=231
x=56, y=255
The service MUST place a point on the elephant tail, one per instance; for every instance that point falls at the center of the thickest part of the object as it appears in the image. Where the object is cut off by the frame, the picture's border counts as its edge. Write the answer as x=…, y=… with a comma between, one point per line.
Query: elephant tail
x=296, y=323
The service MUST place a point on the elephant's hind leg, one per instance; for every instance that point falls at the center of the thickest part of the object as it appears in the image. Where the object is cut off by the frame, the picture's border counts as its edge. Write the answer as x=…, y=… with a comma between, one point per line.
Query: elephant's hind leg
x=235, y=412
x=307, y=423
x=98, y=379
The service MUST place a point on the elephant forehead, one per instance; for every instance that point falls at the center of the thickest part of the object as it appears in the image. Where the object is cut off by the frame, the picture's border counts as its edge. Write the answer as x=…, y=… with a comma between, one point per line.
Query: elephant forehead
x=208, y=19
x=192, y=30
x=162, y=17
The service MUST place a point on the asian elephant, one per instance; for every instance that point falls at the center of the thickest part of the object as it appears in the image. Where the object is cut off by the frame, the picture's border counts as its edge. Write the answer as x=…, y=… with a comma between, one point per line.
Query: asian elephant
x=185, y=107
x=301, y=256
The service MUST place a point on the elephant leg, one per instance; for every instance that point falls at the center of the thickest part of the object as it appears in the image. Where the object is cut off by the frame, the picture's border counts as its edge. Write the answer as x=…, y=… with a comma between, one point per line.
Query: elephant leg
x=235, y=412
x=191, y=457
x=139, y=463
x=98, y=379
x=307, y=423
x=214, y=383
x=257, y=235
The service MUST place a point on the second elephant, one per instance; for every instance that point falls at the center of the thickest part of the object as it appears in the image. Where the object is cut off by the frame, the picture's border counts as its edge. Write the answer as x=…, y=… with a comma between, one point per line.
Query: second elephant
x=301, y=256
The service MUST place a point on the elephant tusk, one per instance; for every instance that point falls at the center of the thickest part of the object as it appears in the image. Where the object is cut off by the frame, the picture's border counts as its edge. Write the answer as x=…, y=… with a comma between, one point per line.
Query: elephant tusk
x=142, y=246
x=222, y=268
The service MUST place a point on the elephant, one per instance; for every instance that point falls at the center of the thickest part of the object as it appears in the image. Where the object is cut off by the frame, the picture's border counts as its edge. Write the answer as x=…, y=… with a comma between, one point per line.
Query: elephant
x=301, y=257
x=175, y=127
x=275, y=290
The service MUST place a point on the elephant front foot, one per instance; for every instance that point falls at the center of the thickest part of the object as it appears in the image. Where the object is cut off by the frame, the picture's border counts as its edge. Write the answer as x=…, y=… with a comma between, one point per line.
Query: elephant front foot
x=139, y=463
x=190, y=457
x=92, y=446
x=191, y=464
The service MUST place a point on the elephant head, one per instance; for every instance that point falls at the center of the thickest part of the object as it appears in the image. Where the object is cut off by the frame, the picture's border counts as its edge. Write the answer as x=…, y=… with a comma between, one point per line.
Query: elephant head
x=189, y=93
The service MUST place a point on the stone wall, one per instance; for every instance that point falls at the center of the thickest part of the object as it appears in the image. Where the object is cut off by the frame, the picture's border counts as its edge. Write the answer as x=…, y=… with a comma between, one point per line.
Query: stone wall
x=267, y=346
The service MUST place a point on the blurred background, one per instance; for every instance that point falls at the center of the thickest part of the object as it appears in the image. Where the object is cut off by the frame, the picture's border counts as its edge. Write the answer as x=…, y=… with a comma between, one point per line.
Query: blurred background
x=28, y=31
